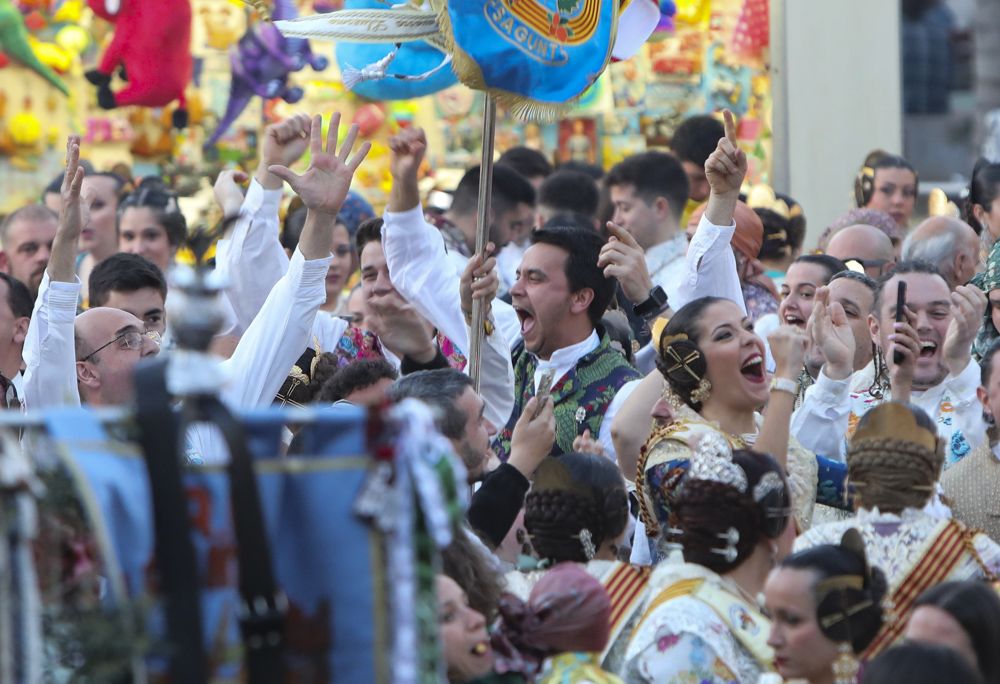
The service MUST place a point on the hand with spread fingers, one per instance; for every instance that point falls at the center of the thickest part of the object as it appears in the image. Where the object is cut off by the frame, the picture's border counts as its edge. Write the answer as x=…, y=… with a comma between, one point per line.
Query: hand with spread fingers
x=283, y=143
x=623, y=258
x=968, y=305
x=831, y=332
x=480, y=281
x=324, y=185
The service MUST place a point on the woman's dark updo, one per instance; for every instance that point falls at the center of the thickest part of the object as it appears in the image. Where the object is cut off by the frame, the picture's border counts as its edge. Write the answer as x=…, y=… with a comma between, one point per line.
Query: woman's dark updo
x=984, y=188
x=703, y=509
x=680, y=360
x=570, y=493
x=837, y=594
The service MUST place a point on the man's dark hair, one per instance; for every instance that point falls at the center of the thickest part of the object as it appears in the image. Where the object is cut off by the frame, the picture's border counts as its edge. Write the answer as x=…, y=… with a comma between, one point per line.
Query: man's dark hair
x=584, y=249
x=832, y=265
x=862, y=278
x=653, y=174
x=509, y=189
x=526, y=161
x=439, y=389
x=19, y=297
x=593, y=170
x=902, y=268
x=124, y=273
x=570, y=191
x=355, y=376
x=696, y=138
x=570, y=219
x=369, y=231
x=291, y=229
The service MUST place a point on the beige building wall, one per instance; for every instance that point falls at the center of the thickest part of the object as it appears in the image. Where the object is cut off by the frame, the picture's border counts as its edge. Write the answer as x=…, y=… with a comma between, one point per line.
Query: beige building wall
x=837, y=96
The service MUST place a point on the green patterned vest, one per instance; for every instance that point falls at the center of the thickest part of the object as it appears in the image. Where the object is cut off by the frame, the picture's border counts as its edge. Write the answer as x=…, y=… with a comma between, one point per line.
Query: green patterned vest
x=580, y=398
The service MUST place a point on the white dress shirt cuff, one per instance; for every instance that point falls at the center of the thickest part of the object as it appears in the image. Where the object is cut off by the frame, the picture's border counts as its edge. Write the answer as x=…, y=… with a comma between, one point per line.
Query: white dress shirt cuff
x=962, y=387
x=62, y=299
x=306, y=274
x=830, y=392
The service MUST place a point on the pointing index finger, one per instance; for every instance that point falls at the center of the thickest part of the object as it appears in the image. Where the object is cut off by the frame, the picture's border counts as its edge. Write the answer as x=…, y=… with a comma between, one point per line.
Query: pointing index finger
x=729, y=121
x=622, y=234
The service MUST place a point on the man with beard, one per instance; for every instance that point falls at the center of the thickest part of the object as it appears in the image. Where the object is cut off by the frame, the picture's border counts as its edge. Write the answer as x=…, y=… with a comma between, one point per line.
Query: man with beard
x=936, y=371
x=25, y=244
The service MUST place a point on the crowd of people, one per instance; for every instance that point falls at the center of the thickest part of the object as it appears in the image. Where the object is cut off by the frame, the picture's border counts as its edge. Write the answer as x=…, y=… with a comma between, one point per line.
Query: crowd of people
x=700, y=451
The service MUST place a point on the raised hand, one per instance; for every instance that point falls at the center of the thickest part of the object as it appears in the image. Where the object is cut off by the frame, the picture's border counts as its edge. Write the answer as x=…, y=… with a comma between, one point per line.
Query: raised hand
x=479, y=281
x=73, y=216
x=622, y=258
x=832, y=334
x=227, y=191
x=400, y=328
x=324, y=185
x=727, y=166
x=286, y=141
x=968, y=304
x=407, y=153
x=586, y=444
x=788, y=347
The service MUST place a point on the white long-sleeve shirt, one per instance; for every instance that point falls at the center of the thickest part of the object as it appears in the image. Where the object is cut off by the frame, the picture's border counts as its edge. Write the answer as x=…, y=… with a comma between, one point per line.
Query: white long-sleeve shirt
x=831, y=409
x=259, y=365
x=422, y=273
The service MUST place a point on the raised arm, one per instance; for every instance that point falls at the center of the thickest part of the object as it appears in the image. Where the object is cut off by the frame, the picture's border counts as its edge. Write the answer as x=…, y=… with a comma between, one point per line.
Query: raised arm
x=49, y=347
x=281, y=331
x=252, y=258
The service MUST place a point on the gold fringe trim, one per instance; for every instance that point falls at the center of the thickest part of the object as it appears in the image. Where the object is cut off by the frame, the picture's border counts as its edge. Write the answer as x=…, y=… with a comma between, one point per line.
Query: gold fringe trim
x=519, y=106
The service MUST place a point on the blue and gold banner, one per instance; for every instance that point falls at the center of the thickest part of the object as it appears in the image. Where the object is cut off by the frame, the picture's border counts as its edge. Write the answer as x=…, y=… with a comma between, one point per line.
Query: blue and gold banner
x=549, y=51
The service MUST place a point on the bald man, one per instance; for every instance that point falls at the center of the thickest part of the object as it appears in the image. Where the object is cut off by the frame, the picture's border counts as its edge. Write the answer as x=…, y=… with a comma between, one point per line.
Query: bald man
x=949, y=244
x=868, y=246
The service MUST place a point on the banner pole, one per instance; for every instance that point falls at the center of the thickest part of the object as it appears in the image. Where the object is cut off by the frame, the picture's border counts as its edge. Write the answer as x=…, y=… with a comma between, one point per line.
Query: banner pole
x=482, y=234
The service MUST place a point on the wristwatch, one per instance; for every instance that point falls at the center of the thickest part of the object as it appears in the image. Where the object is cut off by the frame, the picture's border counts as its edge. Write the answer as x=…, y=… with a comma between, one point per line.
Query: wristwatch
x=785, y=385
x=654, y=305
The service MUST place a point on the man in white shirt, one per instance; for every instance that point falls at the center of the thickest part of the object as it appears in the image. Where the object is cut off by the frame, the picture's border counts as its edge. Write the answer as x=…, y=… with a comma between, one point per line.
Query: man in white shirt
x=95, y=364
x=649, y=191
x=936, y=373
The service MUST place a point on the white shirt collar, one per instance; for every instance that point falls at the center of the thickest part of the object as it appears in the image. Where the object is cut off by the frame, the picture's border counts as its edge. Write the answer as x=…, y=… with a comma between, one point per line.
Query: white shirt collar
x=568, y=356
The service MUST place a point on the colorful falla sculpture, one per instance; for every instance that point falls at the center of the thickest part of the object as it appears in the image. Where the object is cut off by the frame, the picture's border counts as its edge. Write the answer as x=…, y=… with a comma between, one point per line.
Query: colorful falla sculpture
x=534, y=56
x=261, y=63
x=14, y=43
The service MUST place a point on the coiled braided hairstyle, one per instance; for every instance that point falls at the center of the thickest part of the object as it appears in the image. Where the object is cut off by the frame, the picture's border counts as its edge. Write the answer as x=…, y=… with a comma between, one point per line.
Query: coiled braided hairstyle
x=704, y=509
x=570, y=493
x=679, y=359
x=848, y=593
x=891, y=473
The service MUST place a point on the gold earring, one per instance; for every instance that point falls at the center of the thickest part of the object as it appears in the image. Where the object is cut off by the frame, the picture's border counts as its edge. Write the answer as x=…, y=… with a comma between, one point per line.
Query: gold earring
x=702, y=391
x=845, y=667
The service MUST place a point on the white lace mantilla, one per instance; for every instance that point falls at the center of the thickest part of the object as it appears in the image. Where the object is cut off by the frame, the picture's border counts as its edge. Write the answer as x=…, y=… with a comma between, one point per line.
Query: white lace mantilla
x=896, y=543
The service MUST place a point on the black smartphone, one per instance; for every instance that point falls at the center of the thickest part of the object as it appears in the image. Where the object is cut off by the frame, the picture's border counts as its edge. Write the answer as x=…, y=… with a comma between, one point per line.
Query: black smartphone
x=897, y=356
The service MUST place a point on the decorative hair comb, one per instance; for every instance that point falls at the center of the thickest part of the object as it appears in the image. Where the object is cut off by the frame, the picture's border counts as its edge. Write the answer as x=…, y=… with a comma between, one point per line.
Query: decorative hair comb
x=770, y=482
x=893, y=420
x=712, y=461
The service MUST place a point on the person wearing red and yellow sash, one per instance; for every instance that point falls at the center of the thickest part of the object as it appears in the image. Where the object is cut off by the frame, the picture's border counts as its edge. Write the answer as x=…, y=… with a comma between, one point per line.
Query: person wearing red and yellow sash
x=893, y=463
x=702, y=622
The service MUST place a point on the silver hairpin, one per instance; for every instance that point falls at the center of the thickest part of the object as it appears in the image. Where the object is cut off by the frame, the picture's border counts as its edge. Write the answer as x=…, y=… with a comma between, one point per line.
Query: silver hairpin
x=587, y=542
x=732, y=538
x=673, y=532
x=712, y=461
x=771, y=482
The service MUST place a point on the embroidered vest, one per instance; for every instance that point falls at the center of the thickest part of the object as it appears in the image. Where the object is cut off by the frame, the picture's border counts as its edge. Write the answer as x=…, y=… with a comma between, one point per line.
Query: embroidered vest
x=580, y=398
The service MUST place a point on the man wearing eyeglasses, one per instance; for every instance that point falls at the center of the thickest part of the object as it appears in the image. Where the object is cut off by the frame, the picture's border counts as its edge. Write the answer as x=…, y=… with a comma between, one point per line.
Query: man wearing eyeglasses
x=90, y=357
x=865, y=249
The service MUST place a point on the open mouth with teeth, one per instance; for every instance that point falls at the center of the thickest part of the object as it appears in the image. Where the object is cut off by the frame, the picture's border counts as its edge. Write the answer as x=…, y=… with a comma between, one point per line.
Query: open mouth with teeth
x=753, y=369
x=795, y=319
x=480, y=649
x=927, y=349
